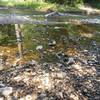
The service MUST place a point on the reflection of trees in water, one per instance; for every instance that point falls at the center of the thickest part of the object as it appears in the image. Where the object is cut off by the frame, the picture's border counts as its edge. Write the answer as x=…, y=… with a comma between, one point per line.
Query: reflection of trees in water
x=7, y=34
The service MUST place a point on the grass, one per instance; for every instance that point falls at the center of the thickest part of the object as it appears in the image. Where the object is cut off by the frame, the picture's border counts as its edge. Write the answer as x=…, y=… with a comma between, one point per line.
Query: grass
x=44, y=6
x=28, y=4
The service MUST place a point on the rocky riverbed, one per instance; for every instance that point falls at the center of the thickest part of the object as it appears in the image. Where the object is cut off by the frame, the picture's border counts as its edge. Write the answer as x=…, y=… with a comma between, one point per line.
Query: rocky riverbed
x=59, y=63
x=70, y=78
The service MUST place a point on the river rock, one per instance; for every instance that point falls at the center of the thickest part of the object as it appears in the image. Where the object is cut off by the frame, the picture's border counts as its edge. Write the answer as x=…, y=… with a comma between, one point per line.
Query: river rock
x=1, y=85
x=6, y=91
x=52, y=43
x=60, y=55
x=40, y=47
x=42, y=96
x=71, y=61
x=1, y=67
x=1, y=98
x=94, y=43
x=33, y=62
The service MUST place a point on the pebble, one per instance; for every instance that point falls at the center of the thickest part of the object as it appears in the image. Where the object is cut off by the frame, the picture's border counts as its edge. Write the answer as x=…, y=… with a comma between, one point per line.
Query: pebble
x=28, y=97
x=56, y=27
x=71, y=61
x=42, y=96
x=6, y=91
x=33, y=62
x=52, y=43
x=2, y=85
x=1, y=98
x=40, y=47
x=90, y=62
x=1, y=67
x=60, y=55
x=94, y=43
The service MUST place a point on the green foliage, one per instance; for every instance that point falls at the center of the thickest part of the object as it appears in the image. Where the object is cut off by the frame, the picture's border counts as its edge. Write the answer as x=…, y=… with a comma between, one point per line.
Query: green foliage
x=36, y=4
x=67, y=2
x=76, y=3
x=93, y=3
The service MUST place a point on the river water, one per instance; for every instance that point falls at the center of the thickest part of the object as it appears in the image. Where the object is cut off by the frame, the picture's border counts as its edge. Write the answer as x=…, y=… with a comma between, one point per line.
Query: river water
x=44, y=42
x=60, y=61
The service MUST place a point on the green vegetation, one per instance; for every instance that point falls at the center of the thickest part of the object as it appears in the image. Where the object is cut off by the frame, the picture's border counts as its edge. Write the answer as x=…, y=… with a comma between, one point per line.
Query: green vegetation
x=61, y=5
x=93, y=3
x=27, y=4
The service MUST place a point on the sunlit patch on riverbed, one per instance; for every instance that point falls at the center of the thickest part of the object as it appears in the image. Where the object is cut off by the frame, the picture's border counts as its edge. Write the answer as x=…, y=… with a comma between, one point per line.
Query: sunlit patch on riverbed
x=82, y=70
x=9, y=56
x=40, y=81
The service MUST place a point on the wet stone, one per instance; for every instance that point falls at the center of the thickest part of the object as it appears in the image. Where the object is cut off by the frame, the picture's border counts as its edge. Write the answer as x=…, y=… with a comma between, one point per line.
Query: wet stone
x=94, y=43
x=32, y=62
x=71, y=61
x=40, y=47
x=90, y=62
x=6, y=91
x=2, y=85
x=52, y=43
x=42, y=96
x=1, y=67
x=60, y=55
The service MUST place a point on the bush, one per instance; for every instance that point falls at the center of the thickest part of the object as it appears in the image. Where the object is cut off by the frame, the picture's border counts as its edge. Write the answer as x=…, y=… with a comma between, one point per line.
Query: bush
x=67, y=2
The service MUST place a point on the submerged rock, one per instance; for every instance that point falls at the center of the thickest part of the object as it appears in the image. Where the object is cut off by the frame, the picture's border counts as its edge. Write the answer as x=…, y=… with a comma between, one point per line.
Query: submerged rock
x=2, y=85
x=33, y=62
x=40, y=47
x=65, y=58
x=94, y=43
x=71, y=61
x=52, y=43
